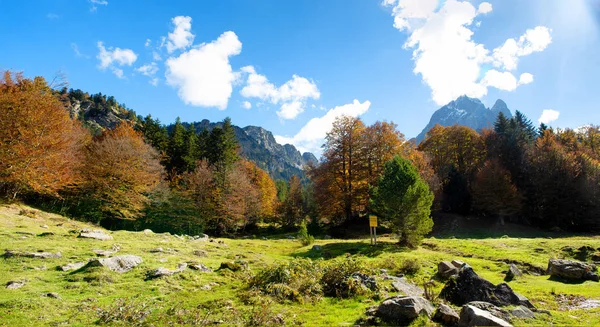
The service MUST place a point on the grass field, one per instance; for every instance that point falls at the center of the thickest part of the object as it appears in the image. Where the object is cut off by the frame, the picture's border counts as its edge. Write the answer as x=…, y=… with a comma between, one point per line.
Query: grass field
x=99, y=296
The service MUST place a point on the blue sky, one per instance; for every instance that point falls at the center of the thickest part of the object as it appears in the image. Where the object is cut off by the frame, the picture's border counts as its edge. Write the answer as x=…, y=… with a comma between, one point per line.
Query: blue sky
x=293, y=66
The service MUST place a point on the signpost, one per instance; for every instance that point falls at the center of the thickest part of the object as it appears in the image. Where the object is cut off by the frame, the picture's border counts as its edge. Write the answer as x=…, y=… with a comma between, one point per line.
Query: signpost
x=373, y=229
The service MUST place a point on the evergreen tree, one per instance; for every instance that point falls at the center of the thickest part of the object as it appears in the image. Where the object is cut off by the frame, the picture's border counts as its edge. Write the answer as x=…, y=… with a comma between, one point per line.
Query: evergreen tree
x=192, y=150
x=176, y=149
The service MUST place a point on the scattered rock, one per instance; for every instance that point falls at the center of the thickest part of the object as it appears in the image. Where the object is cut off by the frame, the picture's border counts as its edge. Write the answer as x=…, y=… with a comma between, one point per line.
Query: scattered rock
x=458, y=264
x=446, y=315
x=472, y=316
x=120, y=264
x=201, y=237
x=446, y=269
x=206, y=287
x=596, y=257
x=13, y=285
x=468, y=287
x=148, y=231
x=95, y=234
x=200, y=253
x=366, y=281
x=589, y=304
x=161, y=272
x=44, y=234
x=572, y=270
x=179, y=237
x=72, y=266
x=44, y=226
x=234, y=265
x=403, y=286
x=38, y=255
x=494, y=310
x=53, y=295
x=522, y=312
x=317, y=248
x=513, y=271
x=200, y=267
x=157, y=250
x=221, y=242
x=404, y=309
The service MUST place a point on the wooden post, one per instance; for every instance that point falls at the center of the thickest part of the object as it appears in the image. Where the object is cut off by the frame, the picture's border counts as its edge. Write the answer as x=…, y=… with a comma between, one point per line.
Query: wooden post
x=375, y=235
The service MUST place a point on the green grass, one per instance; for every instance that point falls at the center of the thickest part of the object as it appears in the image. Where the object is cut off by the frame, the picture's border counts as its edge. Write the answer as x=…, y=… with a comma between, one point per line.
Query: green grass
x=98, y=296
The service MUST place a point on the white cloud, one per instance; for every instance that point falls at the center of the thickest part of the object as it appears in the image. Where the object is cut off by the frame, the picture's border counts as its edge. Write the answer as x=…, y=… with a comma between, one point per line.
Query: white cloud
x=549, y=116
x=115, y=57
x=445, y=55
x=311, y=136
x=181, y=37
x=96, y=3
x=246, y=105
x=77, y=52
x=148, y=69
x=153, y=81
x=147, y=43
x=292, y=95
x=156, y=56
x=203, y=75
x=525, y=78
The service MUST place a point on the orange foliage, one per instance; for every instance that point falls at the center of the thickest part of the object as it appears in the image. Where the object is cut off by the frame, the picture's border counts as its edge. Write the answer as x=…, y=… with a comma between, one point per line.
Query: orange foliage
x=265, y=187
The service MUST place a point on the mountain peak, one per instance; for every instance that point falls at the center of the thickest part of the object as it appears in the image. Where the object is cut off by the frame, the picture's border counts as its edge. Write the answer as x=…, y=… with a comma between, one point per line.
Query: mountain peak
x=500, y=106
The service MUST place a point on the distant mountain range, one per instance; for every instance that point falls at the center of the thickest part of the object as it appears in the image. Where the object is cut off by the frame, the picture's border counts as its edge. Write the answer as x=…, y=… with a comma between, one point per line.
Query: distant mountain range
x=467, y=112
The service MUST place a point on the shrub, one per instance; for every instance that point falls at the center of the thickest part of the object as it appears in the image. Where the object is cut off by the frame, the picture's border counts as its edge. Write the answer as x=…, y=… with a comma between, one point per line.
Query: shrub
x=337, y=280
x=129, y=311
x=410, y=266
x=303, y=236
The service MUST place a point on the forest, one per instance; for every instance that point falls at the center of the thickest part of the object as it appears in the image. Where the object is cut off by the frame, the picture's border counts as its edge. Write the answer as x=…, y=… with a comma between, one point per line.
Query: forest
x=140, y=174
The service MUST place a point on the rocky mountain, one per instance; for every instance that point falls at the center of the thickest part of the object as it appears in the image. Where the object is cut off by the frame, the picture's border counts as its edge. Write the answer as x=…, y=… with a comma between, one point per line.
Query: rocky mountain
x=259, y=146
x=467, y=112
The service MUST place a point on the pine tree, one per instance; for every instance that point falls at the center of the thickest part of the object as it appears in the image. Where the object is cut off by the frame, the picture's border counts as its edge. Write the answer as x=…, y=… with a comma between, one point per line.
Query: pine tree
x=176, y=149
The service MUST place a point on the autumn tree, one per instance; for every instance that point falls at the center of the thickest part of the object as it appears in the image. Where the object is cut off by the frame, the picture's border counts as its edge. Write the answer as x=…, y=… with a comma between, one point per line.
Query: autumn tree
x=266, y=188
x=404, y=199
x=381, y=142
x=293, y=207
x=120, y=170
x=40, y=145
x=494, y=193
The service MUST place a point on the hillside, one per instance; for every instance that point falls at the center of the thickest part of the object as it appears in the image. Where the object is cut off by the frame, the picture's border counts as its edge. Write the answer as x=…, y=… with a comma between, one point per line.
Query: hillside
x=50, y=296
x=467, y=112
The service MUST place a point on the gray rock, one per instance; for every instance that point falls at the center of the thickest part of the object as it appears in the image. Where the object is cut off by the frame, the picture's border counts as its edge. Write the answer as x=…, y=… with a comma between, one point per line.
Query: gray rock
x=446, y=269
x=200, y=253
x=200, y=267
x=366, y=281
x=37, y=255
x=458, y=264
x=120, y=264
x=161, y=272
x=157, y=250
x=53, y=295
x=494, y=310
x=201, y=237
x=403, y=286
x=404, y=309
x=148, y=231
x=104, y=253
x=317, y=248
x=234, y=265
x=522, y=312
x=13, y=285
x=44, y=226
x=472, y=316
x=72, y=266
x=572, y=270
x=513, y=272
x=446, y=315
x=95, y=234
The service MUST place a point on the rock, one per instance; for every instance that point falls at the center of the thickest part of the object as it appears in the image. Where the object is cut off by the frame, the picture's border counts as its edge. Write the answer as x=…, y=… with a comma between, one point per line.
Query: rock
x=200, y=267
x=148, y=231
x=467, y=286
x=53, y=295
x=263, y=238
x=201, y=237
x=494, y=310
x=572, y=270
x=539, y=250
x=367, y=281
x=403, y=286
x=457, y=263
x=37, y=255
x=446, y=269
x=44, y=234
x=157, y=250
x=291, y=237
x=104, y=253
x=120, y=264
x=522, y=312
x=472, y=316
x=179, y=237
x=13, y=285
x=513, y=271
x=200, y=253
x=446, y=315
x=234, y=265
x=596, y=257
x=95, y=234
x=206, y=287
x=161, y=272
x=317, y=248
x=404, y=309
x=72, y=266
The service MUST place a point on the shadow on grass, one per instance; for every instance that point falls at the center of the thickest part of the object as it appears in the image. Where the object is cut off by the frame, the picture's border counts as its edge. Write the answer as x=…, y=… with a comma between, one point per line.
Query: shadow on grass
x=334, y=250
x=566, y=281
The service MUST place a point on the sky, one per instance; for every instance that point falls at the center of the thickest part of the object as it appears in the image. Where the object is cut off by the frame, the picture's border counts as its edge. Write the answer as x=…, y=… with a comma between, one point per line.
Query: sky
x=292, y=67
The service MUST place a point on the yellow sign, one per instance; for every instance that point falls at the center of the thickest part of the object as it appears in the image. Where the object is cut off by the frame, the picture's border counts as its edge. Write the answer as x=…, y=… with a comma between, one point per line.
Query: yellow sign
x=372, y=221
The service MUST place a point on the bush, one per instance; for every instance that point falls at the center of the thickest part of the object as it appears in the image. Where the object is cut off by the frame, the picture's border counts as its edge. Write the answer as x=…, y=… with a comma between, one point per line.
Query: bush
x=129, y=311
x=410, y=266
x=337, y=280
x=303, y=236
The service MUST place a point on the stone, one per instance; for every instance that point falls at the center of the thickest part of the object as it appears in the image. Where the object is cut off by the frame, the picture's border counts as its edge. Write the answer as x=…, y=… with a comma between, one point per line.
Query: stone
x=457, y=263
x=201, y=237
x=72, y=266
x=157, y=250
x=95, y=234
x=366, y=281
x=52, y=295
x=572, y=270
x=148, y=231
x=467, y=286
x=522, y=312
x=179, y=237
x=403, y=286
x=445, y=315
x=494, y=310
x=161, y=272
x=404, y=309
x=104, y=253
x=37, y=255
x=596, y=257
x=472, y=316
x=446, y=269
x=513, y=271
x=234, y=265
x=200, y=267
x=13, y=285
x=120, y=264
x=200, y=253
x=317, y=248
x=44, y=226
x=44, y=234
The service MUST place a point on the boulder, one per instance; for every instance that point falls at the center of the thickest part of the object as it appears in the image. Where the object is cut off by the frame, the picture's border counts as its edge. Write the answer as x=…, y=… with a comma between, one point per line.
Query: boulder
x=446, y=316
x=161, y=272
x=72, y=266
x=13, y=285
x=446, y=269
x=317, y=248
x=472, y=316
x=458, y=264
x=522, y=312
x=200, y=267
x=572, y=270
x=148, y=231
x=403, y=286
x=234, y=265
x=120, y=264
x=366, y=281
x=494, y=310
x=37, y=255
x=201, y=237
x=467, y=286
x=200, y=253
x=513, y=271
x=95, y=234
x=404, y=309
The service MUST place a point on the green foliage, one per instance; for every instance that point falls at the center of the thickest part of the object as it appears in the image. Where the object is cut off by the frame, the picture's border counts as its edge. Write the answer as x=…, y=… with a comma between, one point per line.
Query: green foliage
x=303, y=236
x=131, y=312
x=404, y=199
x=282, y=189
x=337, y=280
